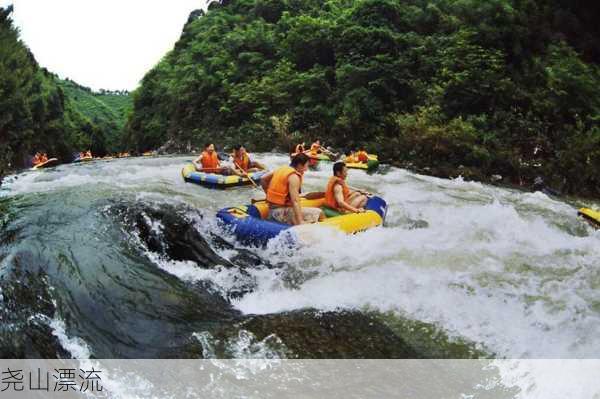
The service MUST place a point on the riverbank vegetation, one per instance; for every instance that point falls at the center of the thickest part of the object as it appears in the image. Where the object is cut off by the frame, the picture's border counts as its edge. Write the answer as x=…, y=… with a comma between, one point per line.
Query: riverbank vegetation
x=472, y=87
x=39, y=112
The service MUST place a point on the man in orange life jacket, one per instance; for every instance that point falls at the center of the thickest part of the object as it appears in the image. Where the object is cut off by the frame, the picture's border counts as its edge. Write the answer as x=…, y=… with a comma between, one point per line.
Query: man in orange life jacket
x=208, y=162
x=241, y=160
x=340, y=196
x=283, y=194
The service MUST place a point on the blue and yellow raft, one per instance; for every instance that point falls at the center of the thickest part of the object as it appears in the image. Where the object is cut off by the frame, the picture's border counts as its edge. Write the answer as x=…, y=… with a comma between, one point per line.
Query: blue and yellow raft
x=250, y=225
x=213, y=180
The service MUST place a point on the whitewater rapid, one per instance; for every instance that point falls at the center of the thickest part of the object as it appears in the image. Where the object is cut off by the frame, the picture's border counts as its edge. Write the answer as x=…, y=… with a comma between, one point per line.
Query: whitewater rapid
x=516, y=273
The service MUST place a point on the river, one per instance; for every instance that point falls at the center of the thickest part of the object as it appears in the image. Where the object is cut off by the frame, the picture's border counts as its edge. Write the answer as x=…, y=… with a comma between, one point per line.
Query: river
x=123, y=259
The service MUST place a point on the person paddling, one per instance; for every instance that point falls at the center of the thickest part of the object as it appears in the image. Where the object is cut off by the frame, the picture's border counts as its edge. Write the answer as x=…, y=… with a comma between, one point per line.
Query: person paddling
x=283, y=187
x=241, y=160
x=340, y=196
x=315, y=148
x=208, y=162
x=300, y=148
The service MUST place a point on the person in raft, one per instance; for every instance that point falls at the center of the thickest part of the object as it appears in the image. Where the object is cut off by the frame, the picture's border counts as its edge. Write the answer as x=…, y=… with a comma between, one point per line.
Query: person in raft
x=362, y=155
x=315, y=148
x=208, y=162
x=300, y=148
x=283, y=188
x=241, y=160
x=36, y=159
x=350, y=157
x=39, y=158
x=341, y=197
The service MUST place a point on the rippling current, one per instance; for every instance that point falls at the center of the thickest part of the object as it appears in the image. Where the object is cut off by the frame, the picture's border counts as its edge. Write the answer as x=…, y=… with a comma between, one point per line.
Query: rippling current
x=123, y=259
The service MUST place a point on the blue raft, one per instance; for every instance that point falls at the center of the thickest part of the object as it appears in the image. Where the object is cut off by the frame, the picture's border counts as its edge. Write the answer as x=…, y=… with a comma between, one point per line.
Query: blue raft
x=213, y=180
x=250, y=225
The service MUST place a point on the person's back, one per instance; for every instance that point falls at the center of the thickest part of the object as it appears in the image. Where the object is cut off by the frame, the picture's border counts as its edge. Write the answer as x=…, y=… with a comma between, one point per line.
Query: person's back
x=283, y=187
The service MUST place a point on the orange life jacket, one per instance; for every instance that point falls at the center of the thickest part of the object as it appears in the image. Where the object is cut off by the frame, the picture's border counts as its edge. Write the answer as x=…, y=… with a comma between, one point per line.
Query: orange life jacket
x=350, y=159
x=314, y=148
x=362, y=156
x=330, y=200
x=210, y=162
x=278, y=192
x=243, y=162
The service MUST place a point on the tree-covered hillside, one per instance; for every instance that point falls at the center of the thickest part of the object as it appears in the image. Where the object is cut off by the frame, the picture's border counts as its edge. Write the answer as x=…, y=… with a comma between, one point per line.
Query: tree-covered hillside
x=108, y=110
x=476, y=87
x=37, y=114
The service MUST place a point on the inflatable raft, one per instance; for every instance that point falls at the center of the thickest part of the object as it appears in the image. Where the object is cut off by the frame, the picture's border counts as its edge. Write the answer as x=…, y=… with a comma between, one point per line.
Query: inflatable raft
x=591, y=216
x=213, y=180
x=47, y=164
x=84, y=159
x=250, y=224
x=371, y=165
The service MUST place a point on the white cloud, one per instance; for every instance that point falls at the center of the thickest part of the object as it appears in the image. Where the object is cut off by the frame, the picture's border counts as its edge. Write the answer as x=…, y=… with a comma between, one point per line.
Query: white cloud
x=106, y=44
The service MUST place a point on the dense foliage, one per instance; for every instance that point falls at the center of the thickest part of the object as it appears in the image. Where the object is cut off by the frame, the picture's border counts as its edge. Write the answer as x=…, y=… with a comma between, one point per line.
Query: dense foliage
x=36, y=114
x=108, y=110
x=477, y=87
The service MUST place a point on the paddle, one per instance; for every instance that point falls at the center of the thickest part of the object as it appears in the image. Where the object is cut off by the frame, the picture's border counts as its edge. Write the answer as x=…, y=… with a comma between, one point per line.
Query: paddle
x=247, y=175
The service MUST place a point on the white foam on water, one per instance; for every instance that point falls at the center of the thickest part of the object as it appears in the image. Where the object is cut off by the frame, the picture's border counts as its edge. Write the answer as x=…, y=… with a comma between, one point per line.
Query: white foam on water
x=244, y=345
x=499, y=267
x=123, y=174
x=74, y=345
x=490, y=267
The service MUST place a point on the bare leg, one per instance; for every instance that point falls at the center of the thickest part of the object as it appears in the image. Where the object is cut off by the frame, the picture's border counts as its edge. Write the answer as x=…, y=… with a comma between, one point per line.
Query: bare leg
x=358, y=201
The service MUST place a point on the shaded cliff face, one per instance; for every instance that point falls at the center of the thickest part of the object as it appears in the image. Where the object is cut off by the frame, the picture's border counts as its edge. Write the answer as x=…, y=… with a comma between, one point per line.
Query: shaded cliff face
x=38, y=115
x=498, y=88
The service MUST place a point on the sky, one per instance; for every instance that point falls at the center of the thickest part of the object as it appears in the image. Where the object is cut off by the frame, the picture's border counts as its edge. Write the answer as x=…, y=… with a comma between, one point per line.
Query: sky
x=108, y=44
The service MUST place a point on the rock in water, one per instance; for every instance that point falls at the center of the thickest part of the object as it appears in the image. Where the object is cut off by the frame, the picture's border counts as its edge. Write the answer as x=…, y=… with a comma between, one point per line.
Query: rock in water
x=306, y=334
x=26, y=309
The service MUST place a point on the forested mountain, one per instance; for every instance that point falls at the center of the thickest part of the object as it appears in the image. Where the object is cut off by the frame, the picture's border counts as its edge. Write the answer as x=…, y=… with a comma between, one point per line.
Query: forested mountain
x=37, y=112
x=471, y=87
x=108, y=110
